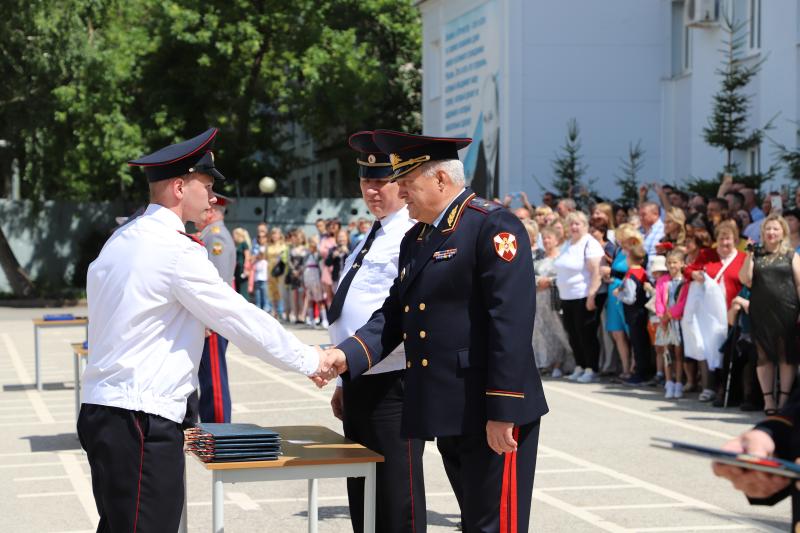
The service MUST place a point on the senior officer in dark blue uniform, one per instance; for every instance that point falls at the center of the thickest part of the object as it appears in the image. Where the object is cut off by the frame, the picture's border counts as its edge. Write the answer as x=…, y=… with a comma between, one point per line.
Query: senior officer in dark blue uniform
x=463, y=304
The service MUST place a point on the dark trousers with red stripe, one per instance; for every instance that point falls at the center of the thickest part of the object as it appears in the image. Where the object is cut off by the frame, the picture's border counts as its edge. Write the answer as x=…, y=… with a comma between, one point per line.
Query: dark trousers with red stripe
x=215, y=396
x=373, y=407
x=137, y=466
x=493, y=491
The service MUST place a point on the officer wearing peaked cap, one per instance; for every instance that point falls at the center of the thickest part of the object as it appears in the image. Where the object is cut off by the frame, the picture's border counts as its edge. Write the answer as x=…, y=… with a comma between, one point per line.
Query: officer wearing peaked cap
x=215, y=397
x=370, y=407
x=151, y=293
x=463, y=305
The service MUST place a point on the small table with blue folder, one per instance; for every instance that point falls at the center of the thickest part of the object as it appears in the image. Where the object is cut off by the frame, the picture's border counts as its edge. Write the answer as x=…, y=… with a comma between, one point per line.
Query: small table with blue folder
x=53, y=321
x=307, y=452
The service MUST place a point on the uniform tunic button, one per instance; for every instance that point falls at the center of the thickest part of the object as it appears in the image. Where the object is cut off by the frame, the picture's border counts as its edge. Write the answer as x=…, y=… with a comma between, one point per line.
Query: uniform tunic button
x=405, y=336
x=422, y=334
x=408, y=364
x=422, y=307
x=424, y=362
x=406, y=309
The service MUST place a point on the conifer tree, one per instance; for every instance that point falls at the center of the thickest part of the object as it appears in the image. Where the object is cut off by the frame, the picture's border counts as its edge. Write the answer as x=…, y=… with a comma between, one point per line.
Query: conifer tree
x=630, y=168
x=727, y=126
x=567, y=166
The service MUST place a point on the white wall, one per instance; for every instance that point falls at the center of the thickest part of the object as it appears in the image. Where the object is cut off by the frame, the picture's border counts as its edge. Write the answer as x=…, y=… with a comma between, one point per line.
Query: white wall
x=608, y=64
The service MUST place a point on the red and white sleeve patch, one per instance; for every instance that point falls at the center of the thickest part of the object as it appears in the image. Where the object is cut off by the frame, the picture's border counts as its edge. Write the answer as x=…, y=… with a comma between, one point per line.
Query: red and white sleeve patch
x=505, y=245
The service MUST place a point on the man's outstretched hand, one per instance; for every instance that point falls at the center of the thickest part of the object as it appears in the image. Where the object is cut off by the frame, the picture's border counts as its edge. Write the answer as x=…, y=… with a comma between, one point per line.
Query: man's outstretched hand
x=332, y=362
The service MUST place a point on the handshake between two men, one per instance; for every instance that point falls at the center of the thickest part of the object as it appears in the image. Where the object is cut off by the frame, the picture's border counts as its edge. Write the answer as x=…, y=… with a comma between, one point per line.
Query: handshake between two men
x=332, y=362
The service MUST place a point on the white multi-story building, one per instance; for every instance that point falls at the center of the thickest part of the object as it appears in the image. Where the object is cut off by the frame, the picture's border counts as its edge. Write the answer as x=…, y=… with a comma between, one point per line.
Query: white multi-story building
x=511, y=73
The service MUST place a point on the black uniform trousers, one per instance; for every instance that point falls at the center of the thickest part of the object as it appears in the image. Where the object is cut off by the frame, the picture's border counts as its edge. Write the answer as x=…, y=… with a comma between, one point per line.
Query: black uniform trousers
x=493, y=491
x=373, y=406
x=581, y=327
x=636, y=318
x=215, y=394
x=137, y=466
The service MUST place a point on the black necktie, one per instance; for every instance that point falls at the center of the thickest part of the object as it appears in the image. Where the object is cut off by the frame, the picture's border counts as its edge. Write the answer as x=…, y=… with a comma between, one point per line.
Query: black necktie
x=335, y=310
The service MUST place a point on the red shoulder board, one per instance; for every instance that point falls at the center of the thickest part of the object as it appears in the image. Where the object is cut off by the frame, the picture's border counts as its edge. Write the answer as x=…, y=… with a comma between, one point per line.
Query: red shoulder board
x=195, y=239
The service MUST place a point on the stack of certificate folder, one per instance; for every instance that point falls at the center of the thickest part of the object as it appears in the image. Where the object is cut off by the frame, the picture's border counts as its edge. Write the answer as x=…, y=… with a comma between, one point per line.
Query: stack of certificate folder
x=225, y=443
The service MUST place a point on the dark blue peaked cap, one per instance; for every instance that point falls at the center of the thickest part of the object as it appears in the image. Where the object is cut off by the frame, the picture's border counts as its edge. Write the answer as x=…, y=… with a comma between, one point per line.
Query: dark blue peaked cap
x=407, y=152
x=372, y=163
x=194, y=155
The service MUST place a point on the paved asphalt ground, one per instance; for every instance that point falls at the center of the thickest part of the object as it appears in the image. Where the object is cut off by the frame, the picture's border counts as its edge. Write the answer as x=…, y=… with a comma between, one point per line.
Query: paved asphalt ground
x=595, y=472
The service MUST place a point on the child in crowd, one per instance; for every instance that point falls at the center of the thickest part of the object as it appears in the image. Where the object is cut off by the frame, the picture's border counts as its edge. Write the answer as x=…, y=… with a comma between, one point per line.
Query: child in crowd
x=658, y=271
x=314, y=302
x=668, y=335
x=260, y=276
x=633, y=297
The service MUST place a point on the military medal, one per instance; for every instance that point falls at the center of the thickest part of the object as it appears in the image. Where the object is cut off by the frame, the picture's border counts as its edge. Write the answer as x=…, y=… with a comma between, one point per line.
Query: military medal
x=444, y=255
x=402, y=273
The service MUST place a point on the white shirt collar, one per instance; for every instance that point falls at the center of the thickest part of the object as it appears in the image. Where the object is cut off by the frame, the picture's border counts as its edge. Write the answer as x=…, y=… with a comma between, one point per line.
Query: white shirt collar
x=441, y=215
x=165, y=216
x=399, y=216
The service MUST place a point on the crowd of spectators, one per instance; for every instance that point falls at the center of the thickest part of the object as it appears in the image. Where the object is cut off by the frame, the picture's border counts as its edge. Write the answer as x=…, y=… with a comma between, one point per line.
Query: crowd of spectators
x=293, y=276
x=691, y=294
x=695, y=295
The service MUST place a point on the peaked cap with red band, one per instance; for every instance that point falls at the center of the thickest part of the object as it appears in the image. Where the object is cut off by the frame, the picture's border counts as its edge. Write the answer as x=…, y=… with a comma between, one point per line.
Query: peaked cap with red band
x=194, y=155
x=372, y=163
x=407, y=152
x=222, y=200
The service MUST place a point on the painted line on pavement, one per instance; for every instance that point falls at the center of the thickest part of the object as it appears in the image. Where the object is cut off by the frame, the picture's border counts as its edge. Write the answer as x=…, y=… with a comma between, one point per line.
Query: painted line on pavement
x=658, y=418
x=723, y=527
x=245, y=502
x=304, y=499
x=251, y=362
x=30, y=465
x=632, y=482
x=612, y=486
x=33, y=395
x=80, y=484
x=47, y=494
x=586, y=516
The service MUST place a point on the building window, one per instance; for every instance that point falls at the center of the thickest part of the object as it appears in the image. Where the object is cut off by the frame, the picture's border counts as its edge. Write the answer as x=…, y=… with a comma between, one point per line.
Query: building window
x=747, y=14
x=754, y=161
x=754, y=24
x=687, y=49
x=332, y=183
x=433, y=68
x=319, y=185
x=306, y=186
x=681, y=38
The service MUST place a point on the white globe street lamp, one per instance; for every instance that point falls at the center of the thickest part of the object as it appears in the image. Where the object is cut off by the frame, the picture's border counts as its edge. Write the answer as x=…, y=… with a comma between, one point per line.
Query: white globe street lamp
x=267, y=186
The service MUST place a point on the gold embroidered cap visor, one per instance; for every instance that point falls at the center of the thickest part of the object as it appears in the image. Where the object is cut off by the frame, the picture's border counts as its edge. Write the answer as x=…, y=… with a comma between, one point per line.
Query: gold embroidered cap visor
x=407, y=152
x=372, y=163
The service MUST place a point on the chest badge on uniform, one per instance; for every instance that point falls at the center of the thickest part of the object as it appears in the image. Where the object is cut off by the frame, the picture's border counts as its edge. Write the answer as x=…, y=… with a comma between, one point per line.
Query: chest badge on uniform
x=505, y=245
x=215, y=229
x=216, y=248
x=444, y=255
x=452, y=216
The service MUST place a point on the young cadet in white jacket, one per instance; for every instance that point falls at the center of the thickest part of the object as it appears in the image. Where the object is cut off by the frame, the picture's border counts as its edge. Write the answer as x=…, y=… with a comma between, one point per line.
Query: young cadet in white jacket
x=152, y=291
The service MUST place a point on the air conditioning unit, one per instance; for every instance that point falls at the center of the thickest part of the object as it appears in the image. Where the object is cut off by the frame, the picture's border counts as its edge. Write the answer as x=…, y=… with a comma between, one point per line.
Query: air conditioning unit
x=701, y=13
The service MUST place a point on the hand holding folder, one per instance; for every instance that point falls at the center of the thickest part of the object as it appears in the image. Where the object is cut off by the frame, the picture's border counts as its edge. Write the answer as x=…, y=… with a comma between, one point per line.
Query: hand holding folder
x=746, y=462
